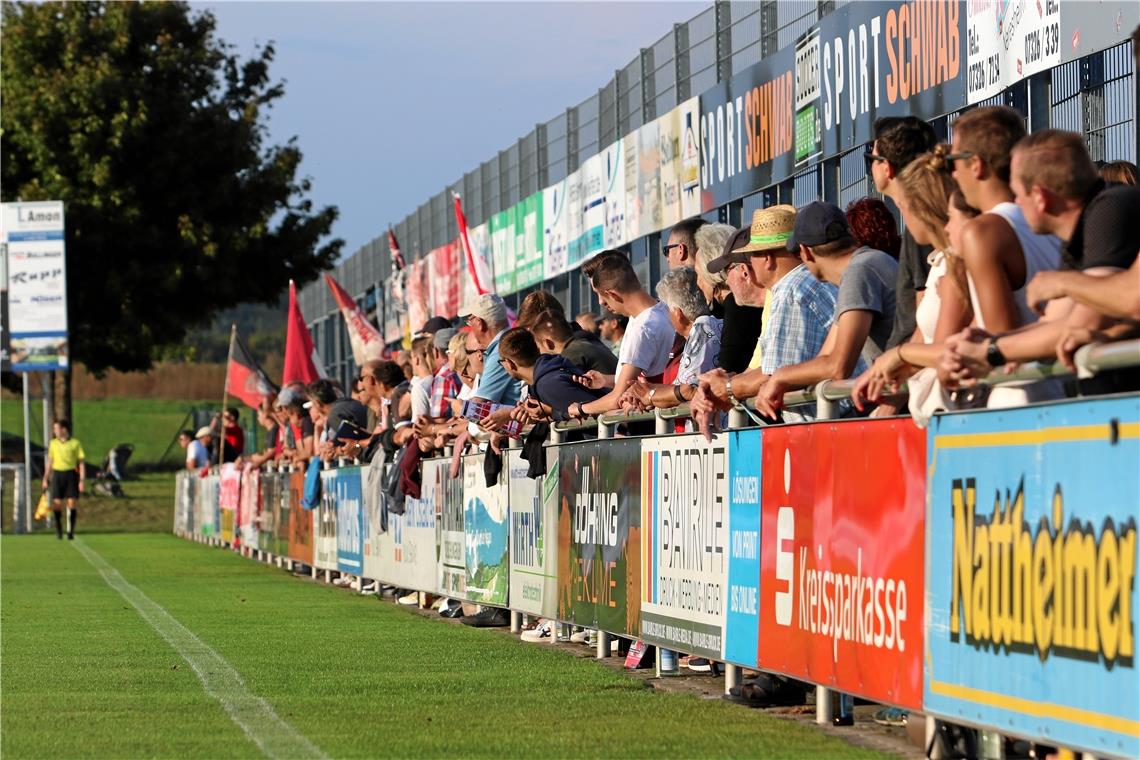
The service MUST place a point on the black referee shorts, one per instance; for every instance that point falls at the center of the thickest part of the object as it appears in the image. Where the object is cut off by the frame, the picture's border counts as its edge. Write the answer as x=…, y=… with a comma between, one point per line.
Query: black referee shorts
x=65, y=484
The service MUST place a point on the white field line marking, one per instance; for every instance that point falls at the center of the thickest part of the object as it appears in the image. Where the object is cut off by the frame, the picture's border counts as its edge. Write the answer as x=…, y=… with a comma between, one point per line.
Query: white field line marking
x=253, y=715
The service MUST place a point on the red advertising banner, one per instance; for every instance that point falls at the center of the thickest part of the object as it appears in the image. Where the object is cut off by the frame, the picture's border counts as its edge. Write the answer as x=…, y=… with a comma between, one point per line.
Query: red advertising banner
x=300, y=522
x=446, y=279
x=419, y=293
x=841, y=574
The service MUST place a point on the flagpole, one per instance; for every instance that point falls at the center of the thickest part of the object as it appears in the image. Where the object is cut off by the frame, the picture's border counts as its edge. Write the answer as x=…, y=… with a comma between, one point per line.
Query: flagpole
x=225, y=397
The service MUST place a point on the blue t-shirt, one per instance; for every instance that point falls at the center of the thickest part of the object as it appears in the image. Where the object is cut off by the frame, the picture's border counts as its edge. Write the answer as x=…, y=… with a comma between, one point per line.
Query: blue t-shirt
x=495, y=384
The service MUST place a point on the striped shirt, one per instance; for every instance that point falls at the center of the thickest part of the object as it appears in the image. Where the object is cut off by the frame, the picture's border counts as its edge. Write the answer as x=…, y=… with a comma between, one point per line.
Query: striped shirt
x=445, y=386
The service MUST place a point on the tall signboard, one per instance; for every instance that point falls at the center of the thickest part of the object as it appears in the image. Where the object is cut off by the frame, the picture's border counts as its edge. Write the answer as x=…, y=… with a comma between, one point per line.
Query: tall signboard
x=34, y=334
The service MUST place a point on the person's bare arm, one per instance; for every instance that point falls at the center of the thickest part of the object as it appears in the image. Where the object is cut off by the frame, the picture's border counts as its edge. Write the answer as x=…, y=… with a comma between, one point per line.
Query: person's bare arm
x=987, y=242
x=47, y=466
x=612, y=400
x=1115, y=294
x=82, y=474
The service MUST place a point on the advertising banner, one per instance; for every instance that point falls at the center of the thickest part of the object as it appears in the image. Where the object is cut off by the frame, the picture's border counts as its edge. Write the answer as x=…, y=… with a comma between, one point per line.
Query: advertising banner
x=555, y=237
x=186, y=502
x=1031, y=573
x=249, y=506
x=1096, y=26
x=349, y=521
x=419, y=292
x=208, y=488
x=480, y=239
x=452, y=540
x=393, y=321
x=534, y=536
x=413, y=535
x=599, y=534
x=502, y=228
x=669, y=138
x=284, y=507
x=229, y=498
x=271, y=484
x=684, y=556
x=486, y=529
x=613, y=164
x=841, y=559
x=1009, y=41
x=887, y=59
x=631, y=163
x=649, y=178
x=688, y=119
x=300, y=521
x=324, y=548
x=593, y=237
x=35, y=324
x=575, y=220
x=742, y=617
x=746, y=131
x=447, y=279
x=529, y=230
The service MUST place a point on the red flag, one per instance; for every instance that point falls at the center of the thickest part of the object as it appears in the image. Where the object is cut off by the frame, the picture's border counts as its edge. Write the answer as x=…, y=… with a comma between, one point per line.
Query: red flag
x=476, y=267
x=301, y=362
x=394, y=249
x=362, y=334
x=244, y=377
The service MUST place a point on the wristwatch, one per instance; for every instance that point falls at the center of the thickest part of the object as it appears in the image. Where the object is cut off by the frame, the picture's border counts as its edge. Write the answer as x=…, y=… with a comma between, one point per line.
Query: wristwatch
x=994, y=356
x=650, y=396
x=728, y=392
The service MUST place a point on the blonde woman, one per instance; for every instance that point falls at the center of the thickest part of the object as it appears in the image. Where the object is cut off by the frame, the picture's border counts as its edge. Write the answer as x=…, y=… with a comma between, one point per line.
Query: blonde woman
x=934, y=212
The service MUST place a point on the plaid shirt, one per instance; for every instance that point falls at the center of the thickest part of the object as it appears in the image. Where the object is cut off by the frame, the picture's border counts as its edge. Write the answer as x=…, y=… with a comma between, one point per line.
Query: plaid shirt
x=800, y=310
x=444, y=386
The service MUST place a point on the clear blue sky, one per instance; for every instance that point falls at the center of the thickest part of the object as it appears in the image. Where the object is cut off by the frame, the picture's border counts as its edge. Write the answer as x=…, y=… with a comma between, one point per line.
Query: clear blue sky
x=390, y=102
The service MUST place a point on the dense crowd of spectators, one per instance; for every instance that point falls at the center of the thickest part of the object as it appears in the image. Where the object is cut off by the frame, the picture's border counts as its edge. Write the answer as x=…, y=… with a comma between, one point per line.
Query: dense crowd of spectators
x=1014, y=248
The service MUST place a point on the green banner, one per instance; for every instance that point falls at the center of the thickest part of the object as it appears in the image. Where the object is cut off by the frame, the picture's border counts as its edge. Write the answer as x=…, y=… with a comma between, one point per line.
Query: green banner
x=599, y=534
x=502, y=226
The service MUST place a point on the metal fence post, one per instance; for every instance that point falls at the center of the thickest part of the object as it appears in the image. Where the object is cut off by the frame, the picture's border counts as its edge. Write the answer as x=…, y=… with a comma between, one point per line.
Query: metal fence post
x=824, y=410
x=605, y=432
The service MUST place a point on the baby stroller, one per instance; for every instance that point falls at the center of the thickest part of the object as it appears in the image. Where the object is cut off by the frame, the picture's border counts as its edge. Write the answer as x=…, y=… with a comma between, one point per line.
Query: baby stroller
x=106, y=478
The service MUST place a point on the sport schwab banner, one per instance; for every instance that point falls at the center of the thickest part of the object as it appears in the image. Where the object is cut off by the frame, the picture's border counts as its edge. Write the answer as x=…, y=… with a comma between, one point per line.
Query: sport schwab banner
x=486, y=531
x=742, y=617
x=534, y=536
x=599, y=534
x=1031, y=573
x=684, y=562
x=349, y=521
x=300, y=521
x=324, y=548
x=842, y=556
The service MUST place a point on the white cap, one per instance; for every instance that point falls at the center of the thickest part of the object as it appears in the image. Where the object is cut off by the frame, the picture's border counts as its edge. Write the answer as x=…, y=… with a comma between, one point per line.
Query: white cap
x=489, y=307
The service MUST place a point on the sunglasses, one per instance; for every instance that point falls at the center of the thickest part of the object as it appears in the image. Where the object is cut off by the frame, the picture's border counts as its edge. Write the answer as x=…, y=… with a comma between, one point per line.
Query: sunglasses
x=960, y=156
x=666, y=248
x=473, y=351
x=869, y=156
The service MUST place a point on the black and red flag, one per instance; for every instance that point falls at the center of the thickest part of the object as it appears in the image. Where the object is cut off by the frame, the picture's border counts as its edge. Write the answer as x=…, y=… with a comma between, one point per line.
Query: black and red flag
x=245, y=379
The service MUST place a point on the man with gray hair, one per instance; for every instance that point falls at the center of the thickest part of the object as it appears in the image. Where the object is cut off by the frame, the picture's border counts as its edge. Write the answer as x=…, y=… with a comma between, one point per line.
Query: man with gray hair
x=487, y=319
x=689, y=314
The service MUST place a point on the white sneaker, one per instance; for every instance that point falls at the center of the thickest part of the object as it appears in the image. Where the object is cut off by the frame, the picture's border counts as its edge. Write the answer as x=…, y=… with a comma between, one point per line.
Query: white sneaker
x=579, y=637
x=409, y=599
x=543, y=632
x=370, y=588
x=342, y=580
x=355, y=585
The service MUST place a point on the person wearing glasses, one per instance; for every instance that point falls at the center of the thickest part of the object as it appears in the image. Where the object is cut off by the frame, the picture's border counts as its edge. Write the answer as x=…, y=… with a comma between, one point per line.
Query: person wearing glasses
x=898, y=141
x=487, y=319
x=680, y=249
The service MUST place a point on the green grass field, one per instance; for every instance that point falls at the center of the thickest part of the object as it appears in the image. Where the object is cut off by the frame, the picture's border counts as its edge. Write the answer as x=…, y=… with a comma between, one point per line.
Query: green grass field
x=85, y=675
x=150, y=424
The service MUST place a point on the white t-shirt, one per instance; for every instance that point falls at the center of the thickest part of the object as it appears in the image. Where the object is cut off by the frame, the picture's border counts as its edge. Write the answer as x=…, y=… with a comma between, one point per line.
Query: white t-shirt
x=648, y=340
x=421, y=396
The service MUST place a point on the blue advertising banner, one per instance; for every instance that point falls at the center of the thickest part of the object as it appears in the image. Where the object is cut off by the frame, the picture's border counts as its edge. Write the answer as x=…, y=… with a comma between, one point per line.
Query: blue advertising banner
x=349, y=521
x=486, y=529
x=742, y=618
x=1031, y=573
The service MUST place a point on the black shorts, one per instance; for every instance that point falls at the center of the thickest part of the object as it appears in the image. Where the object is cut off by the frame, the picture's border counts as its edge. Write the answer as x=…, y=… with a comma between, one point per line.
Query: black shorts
x=65, y=484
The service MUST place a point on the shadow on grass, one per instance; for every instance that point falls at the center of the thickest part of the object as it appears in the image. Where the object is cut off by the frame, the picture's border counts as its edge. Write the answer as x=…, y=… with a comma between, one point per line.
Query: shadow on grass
x=147, y=507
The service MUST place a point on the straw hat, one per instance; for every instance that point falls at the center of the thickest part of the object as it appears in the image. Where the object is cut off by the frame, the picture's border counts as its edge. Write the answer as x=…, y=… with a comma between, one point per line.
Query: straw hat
x=771, y=229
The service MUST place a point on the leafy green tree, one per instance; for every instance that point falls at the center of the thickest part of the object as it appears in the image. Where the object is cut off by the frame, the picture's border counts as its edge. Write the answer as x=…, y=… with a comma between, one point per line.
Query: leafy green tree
x=152, y=132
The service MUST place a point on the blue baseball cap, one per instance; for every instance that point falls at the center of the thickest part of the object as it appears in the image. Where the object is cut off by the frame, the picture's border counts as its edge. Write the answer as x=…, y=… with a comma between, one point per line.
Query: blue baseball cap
x=818, y=223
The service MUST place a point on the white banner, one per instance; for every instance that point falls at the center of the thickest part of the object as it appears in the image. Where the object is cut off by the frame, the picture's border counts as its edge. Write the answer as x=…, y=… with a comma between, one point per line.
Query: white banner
x=33, y=242
x=613, y=161
x=555, y=230
x=684, y=524
x=534, y=536
x=669, y=140
x=1009, y=40
x=690, y=158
